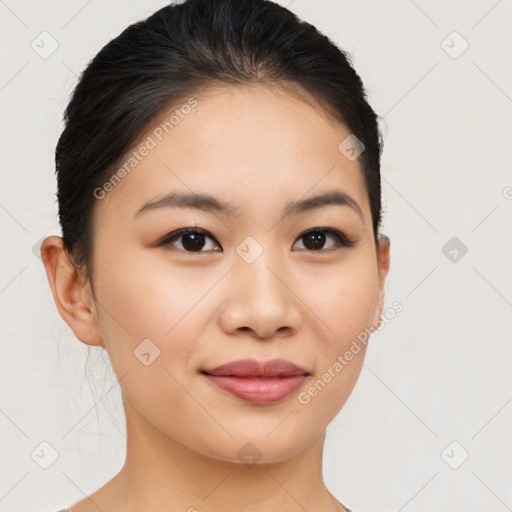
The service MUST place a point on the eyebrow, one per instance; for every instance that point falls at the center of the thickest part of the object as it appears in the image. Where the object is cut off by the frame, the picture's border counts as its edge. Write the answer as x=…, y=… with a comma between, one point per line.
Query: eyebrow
x=208, y=203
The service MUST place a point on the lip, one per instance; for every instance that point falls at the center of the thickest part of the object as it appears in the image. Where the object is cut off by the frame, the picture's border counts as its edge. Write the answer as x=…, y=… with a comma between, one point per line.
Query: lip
x=258, y=382
x=254, y=368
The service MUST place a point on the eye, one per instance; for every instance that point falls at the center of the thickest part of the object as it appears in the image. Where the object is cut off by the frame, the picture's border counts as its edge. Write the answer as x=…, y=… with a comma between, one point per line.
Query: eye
x=315, y=238
x=195, y=239
x=189, y=240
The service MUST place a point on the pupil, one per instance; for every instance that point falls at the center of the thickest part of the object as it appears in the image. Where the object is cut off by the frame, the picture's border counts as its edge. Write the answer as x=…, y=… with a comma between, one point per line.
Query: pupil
x=196, y=239
x=318, y=240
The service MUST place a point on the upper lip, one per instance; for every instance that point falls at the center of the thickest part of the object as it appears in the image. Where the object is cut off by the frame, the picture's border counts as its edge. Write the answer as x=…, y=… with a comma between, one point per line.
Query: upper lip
x=254, y=368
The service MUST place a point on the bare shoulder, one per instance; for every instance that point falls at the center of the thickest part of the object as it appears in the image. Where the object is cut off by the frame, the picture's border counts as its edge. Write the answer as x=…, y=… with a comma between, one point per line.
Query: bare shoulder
x=85, y=505
x=81, y=506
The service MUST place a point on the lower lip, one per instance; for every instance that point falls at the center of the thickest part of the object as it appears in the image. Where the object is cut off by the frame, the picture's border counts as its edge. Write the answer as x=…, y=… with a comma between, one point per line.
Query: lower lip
x=258, y=390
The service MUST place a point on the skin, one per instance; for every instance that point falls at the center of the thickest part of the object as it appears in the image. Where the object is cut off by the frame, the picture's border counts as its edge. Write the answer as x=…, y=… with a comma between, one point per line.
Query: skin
x=258, y=148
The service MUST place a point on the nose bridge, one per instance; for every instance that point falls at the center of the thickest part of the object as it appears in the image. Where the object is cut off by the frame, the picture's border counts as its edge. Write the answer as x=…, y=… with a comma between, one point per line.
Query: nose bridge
x=259, y=298
x=255, y=270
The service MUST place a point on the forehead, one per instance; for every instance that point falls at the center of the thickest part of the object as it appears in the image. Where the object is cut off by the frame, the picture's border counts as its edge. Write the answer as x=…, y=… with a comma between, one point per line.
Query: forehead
x=254, y=144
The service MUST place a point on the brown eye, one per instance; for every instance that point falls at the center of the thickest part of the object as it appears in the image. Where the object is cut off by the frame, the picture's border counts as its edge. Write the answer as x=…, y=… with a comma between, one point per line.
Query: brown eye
x=190, y=240
x=198, y=240
x=315, y=239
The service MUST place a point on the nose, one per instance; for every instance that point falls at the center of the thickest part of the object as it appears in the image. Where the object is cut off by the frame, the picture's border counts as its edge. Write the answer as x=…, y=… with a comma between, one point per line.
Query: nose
x=260, y=300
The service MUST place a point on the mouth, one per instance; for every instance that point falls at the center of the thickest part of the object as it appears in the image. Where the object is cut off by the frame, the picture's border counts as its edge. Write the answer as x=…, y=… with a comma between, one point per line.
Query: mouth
x=258, y=382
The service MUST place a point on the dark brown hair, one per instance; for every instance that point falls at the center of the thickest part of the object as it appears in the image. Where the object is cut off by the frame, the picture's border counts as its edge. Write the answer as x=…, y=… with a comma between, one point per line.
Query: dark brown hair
x=181, y=50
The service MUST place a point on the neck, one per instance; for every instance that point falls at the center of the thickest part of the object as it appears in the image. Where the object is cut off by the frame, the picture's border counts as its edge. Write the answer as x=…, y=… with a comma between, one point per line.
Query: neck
x=163, y=475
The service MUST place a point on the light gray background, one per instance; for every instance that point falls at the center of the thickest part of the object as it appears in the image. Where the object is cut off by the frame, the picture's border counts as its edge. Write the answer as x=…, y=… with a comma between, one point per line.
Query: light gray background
x=438, y=373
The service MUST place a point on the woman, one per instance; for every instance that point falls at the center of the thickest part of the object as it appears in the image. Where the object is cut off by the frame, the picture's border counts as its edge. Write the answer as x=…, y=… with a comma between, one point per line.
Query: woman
x=219, y=196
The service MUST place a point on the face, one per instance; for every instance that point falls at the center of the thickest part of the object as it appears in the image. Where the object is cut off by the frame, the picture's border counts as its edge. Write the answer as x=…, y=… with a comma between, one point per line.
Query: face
x=254, y=278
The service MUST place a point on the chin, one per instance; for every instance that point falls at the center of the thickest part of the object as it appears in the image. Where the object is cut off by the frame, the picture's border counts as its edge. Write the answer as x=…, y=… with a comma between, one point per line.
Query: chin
x=258, y=447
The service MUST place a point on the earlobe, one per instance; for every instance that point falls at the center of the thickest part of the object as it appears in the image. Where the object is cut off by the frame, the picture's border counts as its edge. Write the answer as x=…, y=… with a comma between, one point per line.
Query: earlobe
x=383, y=257
x=71, y=292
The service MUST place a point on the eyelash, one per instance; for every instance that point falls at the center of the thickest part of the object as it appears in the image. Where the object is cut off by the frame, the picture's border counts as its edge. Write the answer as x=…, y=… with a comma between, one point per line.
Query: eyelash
x=341, y=239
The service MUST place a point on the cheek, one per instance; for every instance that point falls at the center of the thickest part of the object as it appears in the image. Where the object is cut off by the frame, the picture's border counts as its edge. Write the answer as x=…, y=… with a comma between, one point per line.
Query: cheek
x=343, y=301
x=346, y=307
x=151, y=301
x=342, y=298
x=352, y=307
x=152, y=324
x=149, y=296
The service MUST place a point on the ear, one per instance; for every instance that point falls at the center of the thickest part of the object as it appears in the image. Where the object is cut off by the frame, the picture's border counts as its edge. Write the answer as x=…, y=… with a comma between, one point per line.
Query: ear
x=71, y=293
x=383, y=259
